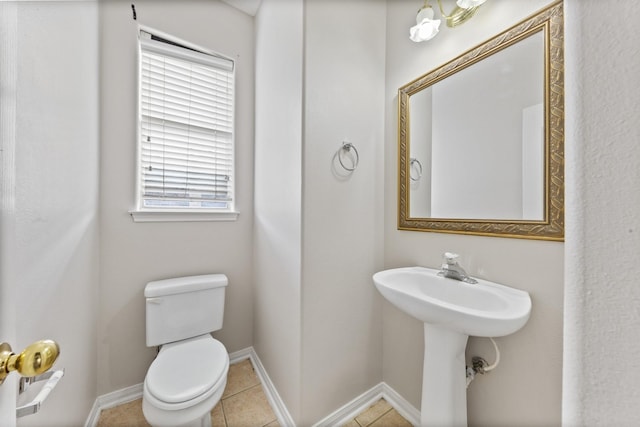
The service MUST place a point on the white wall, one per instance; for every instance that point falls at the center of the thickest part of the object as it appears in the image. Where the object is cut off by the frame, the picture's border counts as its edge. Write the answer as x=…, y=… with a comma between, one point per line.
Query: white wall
x=278, y=196
x=526, y=388
x=342, y=214
x=134, y=253
x=55, y=252
x=318, y=229
x=602, y=369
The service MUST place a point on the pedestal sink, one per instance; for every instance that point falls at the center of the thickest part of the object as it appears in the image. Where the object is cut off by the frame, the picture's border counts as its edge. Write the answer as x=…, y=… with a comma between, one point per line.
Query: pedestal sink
x=451, y=311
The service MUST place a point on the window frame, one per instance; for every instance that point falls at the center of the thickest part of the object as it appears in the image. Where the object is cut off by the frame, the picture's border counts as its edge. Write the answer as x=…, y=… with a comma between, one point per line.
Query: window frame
x=142, y=213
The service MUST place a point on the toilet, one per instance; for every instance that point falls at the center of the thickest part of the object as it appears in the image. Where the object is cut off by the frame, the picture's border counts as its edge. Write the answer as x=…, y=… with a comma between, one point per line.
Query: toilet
x=189, y=374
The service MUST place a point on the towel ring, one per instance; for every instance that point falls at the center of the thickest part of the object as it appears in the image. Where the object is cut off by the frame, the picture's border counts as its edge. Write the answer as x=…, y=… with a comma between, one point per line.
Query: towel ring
x=347, y=146
x=418, y=169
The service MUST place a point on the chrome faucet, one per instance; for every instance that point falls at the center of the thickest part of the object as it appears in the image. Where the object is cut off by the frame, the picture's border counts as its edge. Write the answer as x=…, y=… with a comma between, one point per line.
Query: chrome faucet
x=451, y=269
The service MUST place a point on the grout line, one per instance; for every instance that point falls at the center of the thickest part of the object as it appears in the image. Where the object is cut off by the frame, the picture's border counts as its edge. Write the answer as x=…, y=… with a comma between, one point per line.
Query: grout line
x=224, y=414
x=369, y=409
x=269, y=422
x=259, y=384
x=382, y=415
x=239, y=391
x=248, y=387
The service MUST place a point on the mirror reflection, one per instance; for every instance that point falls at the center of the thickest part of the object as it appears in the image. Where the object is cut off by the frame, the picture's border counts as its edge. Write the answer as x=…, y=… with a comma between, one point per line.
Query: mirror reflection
x=477, y=139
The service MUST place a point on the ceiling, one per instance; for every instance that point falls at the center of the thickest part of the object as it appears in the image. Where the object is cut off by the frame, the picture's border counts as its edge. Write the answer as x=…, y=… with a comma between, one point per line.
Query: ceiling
x=247, y=6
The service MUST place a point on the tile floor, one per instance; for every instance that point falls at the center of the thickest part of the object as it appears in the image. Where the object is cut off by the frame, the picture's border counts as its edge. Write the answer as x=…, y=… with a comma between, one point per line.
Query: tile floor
x=244, y=404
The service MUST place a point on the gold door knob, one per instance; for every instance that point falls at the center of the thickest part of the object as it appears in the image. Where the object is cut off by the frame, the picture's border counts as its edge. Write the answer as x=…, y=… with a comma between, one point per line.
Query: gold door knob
x=34, y=360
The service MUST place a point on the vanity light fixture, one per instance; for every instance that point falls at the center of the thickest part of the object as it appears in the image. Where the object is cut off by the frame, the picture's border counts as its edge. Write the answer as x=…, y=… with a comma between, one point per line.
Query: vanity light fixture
x=426, y=27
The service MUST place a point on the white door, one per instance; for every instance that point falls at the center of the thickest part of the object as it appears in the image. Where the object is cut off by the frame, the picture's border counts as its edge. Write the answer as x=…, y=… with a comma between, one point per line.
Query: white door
x=8, y=34
x=8, y=390
x=49, y=133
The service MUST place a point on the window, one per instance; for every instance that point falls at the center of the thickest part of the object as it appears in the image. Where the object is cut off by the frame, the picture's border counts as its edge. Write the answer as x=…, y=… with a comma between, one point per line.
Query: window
x=186, y=143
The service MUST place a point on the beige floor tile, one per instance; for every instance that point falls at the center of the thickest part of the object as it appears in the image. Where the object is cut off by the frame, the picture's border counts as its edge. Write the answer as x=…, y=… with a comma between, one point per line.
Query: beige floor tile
x=125, y=415
x=249, y=408
x=217, y=416
x=352, y=423
x=374, y=412
x=241, y=377
x=391, y=419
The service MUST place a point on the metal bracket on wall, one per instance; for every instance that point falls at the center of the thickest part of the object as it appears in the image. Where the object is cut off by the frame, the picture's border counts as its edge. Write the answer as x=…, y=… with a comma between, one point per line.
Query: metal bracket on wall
x=347, y=147
x=32, y=407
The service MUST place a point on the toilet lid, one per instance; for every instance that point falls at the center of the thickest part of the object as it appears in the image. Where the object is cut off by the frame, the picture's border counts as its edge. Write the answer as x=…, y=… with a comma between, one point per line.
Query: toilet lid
x=187, y=369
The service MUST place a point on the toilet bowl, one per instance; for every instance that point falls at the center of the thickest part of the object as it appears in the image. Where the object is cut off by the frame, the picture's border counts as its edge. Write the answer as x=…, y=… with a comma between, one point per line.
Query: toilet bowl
x=185, y=382
x=188, y=376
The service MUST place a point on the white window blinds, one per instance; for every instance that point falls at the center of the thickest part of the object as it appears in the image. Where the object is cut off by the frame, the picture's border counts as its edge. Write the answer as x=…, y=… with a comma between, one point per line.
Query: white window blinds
x=186, y=128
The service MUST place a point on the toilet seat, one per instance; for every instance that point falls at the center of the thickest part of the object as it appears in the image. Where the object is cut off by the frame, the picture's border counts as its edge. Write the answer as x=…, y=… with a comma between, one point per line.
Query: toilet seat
x=187, y=372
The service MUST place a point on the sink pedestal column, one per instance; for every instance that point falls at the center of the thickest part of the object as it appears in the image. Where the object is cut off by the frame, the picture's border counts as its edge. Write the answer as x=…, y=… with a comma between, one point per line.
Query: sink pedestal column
x=444, y=383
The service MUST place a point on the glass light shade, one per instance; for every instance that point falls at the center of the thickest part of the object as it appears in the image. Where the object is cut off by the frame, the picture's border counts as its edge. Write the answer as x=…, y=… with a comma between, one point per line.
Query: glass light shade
x=426, y=27
x=468, y=4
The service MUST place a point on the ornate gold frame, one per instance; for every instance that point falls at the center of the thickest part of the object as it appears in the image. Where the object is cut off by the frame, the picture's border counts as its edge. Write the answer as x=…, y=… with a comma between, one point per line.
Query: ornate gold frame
x=550, y=21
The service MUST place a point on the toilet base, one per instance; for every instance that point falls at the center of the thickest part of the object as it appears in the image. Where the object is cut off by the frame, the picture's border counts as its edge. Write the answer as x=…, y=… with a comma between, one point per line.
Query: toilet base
x=202, y=422
x=206, y=421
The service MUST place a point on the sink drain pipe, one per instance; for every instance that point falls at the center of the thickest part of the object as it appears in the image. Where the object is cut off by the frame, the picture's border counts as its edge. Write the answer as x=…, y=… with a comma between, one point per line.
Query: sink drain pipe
x=481, y=366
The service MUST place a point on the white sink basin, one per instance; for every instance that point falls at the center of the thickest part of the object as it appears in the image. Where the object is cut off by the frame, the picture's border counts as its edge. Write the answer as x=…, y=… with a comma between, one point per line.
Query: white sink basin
x=451, y=311
x=484, y=309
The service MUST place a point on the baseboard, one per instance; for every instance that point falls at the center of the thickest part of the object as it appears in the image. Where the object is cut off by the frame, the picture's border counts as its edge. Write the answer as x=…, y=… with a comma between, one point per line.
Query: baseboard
x=400, y=404
x=112, y=399
x=349, y=411
x=134, y=392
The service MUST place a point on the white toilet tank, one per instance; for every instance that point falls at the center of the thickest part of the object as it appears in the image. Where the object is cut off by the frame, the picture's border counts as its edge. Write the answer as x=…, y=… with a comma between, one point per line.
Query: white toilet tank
x=184, y=307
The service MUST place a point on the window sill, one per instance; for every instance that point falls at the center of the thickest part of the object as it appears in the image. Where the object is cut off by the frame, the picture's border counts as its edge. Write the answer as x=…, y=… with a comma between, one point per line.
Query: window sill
x=182, y=216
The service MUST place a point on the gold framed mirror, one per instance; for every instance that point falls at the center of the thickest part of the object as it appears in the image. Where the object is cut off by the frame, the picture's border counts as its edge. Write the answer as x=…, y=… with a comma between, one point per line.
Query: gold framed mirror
x=481, y=138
